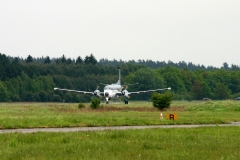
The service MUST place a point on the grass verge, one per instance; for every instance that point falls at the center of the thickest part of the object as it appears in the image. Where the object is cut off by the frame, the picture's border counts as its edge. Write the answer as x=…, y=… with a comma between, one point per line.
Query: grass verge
x=176, y=143
x=43, y=115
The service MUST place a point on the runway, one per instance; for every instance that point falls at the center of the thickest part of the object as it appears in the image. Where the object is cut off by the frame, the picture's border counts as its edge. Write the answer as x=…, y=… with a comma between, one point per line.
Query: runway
x=87, y=129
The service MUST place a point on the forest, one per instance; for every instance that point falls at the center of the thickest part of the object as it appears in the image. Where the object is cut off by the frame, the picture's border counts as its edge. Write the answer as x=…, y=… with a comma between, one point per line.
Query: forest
x=33, y=79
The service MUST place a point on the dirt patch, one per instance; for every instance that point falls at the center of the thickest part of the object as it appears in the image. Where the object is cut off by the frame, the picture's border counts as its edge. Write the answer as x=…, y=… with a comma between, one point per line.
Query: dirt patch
x=110, y=108
x=176, y=108
x=138, y=109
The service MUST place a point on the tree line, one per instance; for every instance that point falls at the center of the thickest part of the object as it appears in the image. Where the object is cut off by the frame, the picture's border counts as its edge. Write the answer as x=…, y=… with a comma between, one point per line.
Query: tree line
x=33, y=81
x=103, y=61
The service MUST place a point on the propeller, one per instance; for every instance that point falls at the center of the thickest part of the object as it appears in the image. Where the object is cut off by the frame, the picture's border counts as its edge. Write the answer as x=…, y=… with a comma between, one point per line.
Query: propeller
x=127, y=85
x=125, y=93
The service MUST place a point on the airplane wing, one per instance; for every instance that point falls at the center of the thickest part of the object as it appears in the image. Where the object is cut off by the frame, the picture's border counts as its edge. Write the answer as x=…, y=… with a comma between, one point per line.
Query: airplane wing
x=83, y=92
x=154, y=90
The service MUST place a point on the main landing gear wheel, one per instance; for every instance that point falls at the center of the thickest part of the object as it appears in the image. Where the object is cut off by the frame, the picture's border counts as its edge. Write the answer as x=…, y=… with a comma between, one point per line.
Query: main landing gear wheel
x=106, y=102
x=126, y=102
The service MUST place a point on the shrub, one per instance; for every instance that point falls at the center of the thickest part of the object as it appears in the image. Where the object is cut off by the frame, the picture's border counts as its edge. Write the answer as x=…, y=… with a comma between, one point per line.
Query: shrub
x=161, y=101
x=95, y=103
x=81, y=105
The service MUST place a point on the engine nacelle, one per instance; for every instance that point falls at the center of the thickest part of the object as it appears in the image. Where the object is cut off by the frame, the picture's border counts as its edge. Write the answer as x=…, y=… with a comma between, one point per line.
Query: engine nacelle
x=96, y=93
x=125, y=93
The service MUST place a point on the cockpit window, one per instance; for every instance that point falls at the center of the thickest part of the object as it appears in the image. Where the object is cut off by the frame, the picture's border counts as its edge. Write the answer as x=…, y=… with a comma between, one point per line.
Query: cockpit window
x=106, y=87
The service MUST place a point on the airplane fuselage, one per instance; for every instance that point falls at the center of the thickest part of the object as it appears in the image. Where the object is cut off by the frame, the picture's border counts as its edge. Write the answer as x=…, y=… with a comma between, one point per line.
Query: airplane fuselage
x=112, y=91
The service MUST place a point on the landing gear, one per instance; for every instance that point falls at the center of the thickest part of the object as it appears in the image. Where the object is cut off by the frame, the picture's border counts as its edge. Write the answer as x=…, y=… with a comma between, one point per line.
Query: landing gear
x=126, y=101
x=107, y=100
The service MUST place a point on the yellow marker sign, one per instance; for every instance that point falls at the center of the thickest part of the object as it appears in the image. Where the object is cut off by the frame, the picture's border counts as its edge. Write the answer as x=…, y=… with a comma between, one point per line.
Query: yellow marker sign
x=172, y=116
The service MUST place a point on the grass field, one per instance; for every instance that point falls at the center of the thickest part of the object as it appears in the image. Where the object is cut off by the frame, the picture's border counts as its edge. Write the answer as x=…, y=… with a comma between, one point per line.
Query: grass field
x=175, y=143
x=32, y=115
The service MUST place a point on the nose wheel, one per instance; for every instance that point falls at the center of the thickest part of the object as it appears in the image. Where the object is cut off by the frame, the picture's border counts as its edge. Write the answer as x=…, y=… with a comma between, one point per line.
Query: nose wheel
x=106, y=100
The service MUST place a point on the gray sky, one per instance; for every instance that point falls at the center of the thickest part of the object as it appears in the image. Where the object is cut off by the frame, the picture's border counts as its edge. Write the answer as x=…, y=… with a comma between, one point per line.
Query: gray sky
x=199, y=31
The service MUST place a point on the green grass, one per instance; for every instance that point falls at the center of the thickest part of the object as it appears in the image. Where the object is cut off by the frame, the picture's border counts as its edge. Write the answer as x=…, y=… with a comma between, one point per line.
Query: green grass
x=170, y=144
x=32, y=115
x=220, y=106
x=165, y=144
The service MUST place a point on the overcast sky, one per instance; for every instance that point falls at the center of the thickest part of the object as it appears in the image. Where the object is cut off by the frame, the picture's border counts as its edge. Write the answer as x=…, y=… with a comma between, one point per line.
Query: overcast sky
x=199, y=31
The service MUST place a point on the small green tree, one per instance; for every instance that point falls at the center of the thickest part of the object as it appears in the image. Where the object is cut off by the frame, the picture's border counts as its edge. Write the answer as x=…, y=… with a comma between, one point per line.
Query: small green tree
x=161, y=101
x=95, y=103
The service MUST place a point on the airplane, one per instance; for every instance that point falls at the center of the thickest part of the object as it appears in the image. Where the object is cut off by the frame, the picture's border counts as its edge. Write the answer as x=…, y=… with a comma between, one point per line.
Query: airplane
x=113, y=91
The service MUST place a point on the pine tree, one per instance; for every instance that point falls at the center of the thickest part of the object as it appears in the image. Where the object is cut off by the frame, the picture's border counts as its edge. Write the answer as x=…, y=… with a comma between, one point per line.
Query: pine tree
x=29, y=59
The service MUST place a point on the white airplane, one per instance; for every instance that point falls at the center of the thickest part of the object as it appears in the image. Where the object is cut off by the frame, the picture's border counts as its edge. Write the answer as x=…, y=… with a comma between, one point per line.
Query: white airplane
x=112, y=91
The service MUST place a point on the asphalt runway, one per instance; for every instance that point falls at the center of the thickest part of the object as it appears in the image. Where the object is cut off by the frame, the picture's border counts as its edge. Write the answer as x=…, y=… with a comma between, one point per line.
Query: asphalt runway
x=87, y=129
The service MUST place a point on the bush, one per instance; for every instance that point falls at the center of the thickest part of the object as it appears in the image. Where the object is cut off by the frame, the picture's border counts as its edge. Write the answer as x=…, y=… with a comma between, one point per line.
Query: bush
x=95, y=103
x=161, y=101
x=81, y=105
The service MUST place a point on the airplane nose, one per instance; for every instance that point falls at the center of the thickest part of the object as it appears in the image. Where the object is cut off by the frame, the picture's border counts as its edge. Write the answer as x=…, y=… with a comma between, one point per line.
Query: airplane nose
x=106, y=94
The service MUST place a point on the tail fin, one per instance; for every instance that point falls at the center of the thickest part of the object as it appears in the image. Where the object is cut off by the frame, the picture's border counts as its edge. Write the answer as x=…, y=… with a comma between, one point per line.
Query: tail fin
x=119, y=77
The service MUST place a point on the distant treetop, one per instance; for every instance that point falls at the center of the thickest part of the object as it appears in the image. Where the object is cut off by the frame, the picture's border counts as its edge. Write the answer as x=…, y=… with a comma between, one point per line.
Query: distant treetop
x=104, y=61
